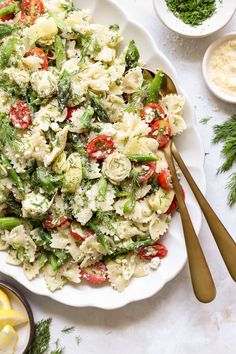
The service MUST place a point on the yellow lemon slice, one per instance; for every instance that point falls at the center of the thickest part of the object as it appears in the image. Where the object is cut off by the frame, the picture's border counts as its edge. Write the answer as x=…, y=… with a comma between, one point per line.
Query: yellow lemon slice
x=8, y=340
x=11, y=317
x=4, y=301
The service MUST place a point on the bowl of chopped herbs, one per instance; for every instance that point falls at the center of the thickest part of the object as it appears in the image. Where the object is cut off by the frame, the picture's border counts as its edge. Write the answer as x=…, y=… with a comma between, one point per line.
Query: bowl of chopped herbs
x=195, y=18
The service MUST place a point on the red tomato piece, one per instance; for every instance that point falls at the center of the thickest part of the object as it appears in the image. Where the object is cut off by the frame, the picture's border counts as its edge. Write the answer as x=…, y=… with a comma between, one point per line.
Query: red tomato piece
x=70, y=111
x=174, y=205
x=7, y=17
x=52, y=224
x=148, y=171
x=95, y=274
x=38, y=52
x=161, y=131
x=100, y=147
x=164, y=179
x=20, y=115
x=156, y=250
x=31, y=9
x=77, y=232
x=152, y=111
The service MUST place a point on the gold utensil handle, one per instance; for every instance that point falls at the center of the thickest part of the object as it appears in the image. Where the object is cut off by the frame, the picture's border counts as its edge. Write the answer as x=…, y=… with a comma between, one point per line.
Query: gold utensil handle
x=202, y=282
x=224, y=241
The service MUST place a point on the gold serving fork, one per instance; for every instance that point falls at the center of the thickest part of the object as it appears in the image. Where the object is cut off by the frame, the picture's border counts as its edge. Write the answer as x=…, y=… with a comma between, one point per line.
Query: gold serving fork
x=202, y=282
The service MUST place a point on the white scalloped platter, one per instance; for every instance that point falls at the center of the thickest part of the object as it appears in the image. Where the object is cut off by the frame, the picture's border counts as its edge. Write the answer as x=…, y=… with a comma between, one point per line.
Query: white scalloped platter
x=189, y=144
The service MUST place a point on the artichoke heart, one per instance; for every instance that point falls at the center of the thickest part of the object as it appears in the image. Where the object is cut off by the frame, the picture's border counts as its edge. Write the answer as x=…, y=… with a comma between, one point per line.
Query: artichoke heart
x=116, y=167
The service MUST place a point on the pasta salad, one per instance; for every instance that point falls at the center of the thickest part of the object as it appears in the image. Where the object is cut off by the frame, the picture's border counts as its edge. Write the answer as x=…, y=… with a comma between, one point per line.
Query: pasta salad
x=85, y=190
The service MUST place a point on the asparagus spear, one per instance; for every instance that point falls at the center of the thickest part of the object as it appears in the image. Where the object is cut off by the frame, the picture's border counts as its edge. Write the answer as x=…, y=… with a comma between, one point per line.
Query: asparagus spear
x=63, y=90
x=130, y=204
x=98, y=107
x=86, y=117
x=100, y=235
x=141, y=158
x=12, y=174
x=132, y=56
x=60, y=52
x=9, y=9
x=154, y=89
x=6, y=29
x=102, y=187
x=9, y=222
x=131, y=247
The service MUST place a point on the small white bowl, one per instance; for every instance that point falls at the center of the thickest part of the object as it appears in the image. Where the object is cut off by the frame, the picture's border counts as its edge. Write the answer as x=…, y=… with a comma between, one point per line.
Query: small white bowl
x=224, y=13
x=206, y=68
x=20, y=303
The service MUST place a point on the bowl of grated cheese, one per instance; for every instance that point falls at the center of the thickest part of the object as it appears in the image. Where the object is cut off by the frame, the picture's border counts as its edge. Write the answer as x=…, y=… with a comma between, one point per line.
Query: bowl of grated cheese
x=219, y=67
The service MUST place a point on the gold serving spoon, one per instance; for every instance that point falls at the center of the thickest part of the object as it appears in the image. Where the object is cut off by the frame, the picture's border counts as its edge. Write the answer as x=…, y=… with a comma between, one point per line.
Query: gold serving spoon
x=224, y=241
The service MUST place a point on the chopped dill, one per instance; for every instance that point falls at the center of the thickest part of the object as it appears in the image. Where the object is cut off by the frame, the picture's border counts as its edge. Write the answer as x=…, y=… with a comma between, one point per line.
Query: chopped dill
x=68, y=329
x=205, y=120
x=78, y=340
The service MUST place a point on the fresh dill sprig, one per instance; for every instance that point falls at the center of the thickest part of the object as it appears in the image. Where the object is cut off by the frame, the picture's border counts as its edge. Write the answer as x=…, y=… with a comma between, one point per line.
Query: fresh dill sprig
x=42, y=336
x=231, y=185
x=68, y=329
x=78, y=340
x=59, y=349
x=226, y=133
x=205, y=120
x=223, y=131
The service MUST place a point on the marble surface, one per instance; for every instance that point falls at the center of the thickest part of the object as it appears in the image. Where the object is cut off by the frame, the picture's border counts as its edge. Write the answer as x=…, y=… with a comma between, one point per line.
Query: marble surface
x=172, y=321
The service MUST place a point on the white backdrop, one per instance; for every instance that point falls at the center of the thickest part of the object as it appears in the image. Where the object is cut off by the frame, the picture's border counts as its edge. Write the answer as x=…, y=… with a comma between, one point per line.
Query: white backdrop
x=171, y=322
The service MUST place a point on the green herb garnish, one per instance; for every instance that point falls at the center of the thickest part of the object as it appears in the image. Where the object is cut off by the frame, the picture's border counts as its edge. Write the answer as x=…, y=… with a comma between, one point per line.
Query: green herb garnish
x=226, y=133
x=205, y=120
x=192, y=12
x=68, y=329
x=231, y=185
x=59, y=349
x=42, y=336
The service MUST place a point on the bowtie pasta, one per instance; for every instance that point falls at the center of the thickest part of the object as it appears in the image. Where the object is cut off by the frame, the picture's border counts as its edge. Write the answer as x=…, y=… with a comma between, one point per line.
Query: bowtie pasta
x=85, y=191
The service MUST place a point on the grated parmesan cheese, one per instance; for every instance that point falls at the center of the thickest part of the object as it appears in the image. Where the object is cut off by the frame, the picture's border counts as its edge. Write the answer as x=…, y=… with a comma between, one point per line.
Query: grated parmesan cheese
x=223, y=67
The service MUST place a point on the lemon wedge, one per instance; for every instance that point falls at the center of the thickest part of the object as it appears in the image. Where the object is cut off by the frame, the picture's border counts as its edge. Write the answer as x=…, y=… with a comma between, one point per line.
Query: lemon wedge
x=4, y=301
x=8, y=340
x=11, y=317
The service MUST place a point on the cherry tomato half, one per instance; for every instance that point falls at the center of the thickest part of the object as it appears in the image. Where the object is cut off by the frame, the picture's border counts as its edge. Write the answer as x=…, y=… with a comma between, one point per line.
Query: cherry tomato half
x=164, y=179
x=152, y=111
x=97, y=273
x=70, y=111
x=31, y=9
x=6, y=17
x=38, y=52
x=51, y=223
x=148, y=171
x=100, y=147
x=79, y=234
x=160, y=130
x=156, y=250
x=174, y=205
x=20, y=115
